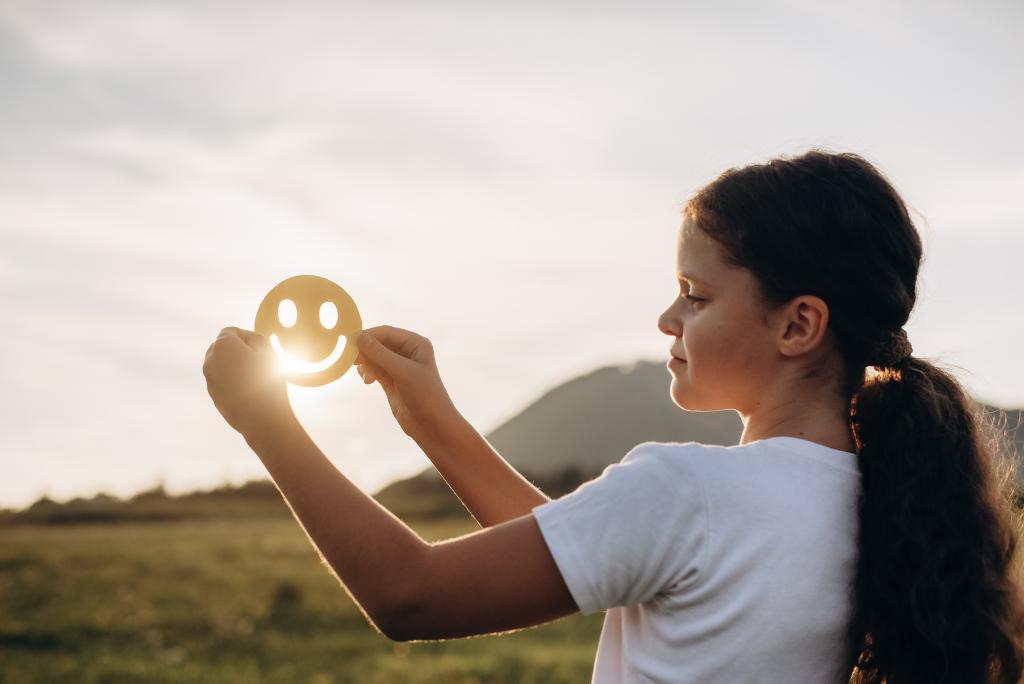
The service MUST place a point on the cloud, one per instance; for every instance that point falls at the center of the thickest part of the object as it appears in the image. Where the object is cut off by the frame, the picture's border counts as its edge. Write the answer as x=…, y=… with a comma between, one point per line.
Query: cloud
x=487, y=174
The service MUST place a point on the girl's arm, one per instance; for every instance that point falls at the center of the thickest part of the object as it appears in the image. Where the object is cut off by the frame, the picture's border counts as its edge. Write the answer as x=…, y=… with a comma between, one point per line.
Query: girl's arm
x=491, y=489
x=493, y=580
x=403, y=363
x=499, y=578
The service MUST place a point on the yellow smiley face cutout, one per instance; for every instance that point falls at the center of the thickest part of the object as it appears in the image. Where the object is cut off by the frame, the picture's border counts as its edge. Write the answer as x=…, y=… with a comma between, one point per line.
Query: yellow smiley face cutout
x=312, y=325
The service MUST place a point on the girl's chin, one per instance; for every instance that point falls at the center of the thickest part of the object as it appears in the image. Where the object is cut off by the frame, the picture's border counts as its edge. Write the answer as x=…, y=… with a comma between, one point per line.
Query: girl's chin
x=684, y=403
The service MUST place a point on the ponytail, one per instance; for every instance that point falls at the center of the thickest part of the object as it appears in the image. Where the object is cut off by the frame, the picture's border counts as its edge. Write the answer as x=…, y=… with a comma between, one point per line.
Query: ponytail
x=936, y=595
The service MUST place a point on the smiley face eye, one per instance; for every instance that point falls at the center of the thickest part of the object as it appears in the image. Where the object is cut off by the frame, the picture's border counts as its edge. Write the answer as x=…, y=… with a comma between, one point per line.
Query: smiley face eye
x=287, y=313
x=328, y=315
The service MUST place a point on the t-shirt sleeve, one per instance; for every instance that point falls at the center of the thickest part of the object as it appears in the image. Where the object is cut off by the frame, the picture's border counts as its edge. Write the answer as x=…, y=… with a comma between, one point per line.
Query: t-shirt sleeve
x=637, y=529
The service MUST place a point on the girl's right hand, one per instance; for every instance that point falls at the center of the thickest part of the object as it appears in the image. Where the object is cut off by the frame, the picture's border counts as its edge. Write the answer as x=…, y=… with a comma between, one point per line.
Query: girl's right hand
x=403, y=363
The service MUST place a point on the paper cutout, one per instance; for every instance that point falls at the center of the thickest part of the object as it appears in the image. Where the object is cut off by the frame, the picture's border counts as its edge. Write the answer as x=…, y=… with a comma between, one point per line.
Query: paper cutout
x=311, y=354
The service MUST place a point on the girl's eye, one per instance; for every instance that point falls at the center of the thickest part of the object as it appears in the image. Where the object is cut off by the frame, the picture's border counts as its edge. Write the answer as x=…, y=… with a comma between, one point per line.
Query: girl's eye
x=693, y=299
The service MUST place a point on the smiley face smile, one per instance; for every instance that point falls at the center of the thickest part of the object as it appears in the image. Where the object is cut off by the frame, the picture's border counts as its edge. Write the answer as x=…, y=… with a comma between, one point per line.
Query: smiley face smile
x=293, y=364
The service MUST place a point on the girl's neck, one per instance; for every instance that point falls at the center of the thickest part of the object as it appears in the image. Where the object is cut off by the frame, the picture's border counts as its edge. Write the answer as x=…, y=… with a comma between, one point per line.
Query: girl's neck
x=825, y=425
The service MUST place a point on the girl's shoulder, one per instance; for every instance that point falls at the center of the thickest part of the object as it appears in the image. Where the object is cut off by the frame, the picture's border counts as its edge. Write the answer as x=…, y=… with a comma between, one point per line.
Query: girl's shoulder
x=671, y=452
x=669, y=461
x=737, y=470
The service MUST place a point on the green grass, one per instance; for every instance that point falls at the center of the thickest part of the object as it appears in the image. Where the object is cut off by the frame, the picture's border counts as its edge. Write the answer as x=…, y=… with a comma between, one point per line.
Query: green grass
x=230, y=600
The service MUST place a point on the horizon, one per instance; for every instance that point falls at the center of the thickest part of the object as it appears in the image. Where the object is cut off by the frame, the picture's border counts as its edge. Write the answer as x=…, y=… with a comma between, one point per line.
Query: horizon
x=172, y=492
x=503, y=179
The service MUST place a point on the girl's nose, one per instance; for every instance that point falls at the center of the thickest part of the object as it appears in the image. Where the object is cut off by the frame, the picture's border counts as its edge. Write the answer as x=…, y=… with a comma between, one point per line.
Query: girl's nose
x=669, y=323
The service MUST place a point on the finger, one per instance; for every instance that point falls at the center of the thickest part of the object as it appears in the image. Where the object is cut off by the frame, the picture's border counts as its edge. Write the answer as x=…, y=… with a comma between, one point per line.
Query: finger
x=400, y=340
x=229, y=337
x=245, y=335
x=368, y=373
x=385, y=381
x=257, y=342
x=380, y=355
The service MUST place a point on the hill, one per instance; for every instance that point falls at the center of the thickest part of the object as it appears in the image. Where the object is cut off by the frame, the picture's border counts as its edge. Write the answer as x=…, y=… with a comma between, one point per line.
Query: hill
x=565, y=437
x=593, y=420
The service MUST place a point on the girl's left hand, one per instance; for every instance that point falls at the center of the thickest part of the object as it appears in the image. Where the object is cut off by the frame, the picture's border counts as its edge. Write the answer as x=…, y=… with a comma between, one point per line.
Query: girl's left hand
x=243, y=379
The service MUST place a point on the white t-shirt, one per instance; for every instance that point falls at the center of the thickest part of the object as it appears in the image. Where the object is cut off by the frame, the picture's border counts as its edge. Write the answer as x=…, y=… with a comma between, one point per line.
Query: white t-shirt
x=715, y=564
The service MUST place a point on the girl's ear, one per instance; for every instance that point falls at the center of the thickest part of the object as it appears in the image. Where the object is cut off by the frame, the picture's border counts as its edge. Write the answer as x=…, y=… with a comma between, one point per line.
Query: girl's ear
x=802, y=325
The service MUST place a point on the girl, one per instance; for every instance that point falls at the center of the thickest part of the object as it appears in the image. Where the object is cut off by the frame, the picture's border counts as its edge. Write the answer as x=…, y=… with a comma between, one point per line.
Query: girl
x=860, y=531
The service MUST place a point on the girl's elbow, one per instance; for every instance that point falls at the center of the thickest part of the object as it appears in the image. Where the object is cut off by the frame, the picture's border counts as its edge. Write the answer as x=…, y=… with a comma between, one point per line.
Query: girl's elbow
x=403, y=610
x=404, y=623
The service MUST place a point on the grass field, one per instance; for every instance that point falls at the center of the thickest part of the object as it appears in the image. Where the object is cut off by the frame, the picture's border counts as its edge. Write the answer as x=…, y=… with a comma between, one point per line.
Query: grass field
x=229, y=600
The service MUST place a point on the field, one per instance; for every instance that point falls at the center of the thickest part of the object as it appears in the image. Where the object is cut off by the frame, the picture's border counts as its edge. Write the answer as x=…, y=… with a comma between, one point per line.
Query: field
x=231, y=599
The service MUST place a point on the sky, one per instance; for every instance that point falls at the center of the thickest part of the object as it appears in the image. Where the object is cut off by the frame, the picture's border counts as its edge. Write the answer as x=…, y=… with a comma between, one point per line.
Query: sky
x=503, y=178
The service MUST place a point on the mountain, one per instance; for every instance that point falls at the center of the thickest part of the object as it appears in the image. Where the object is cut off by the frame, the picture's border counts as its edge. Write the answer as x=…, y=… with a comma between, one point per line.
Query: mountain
x=566, y=436
x=591, y=421
x=594, y=419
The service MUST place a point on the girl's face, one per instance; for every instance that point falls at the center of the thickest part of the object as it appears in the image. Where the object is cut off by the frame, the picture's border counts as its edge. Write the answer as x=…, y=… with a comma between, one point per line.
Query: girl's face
x=716, y=324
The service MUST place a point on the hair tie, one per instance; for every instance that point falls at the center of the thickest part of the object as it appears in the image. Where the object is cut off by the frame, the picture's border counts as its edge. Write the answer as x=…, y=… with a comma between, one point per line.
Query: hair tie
x=893, y=351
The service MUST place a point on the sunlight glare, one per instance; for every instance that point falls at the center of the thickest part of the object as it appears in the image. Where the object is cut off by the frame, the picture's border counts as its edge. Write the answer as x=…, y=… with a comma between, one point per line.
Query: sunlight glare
x=287, y=313
x=294, y=365
x=328, y=315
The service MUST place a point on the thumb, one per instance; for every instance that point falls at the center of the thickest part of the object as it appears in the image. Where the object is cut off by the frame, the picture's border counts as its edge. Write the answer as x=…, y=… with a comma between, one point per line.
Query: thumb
x=261, y=346
x=378, y=353
x=259, y=342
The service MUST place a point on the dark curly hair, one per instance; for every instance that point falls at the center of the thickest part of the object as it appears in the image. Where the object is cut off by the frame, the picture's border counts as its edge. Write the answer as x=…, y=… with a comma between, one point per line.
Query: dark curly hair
x=937, y=594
